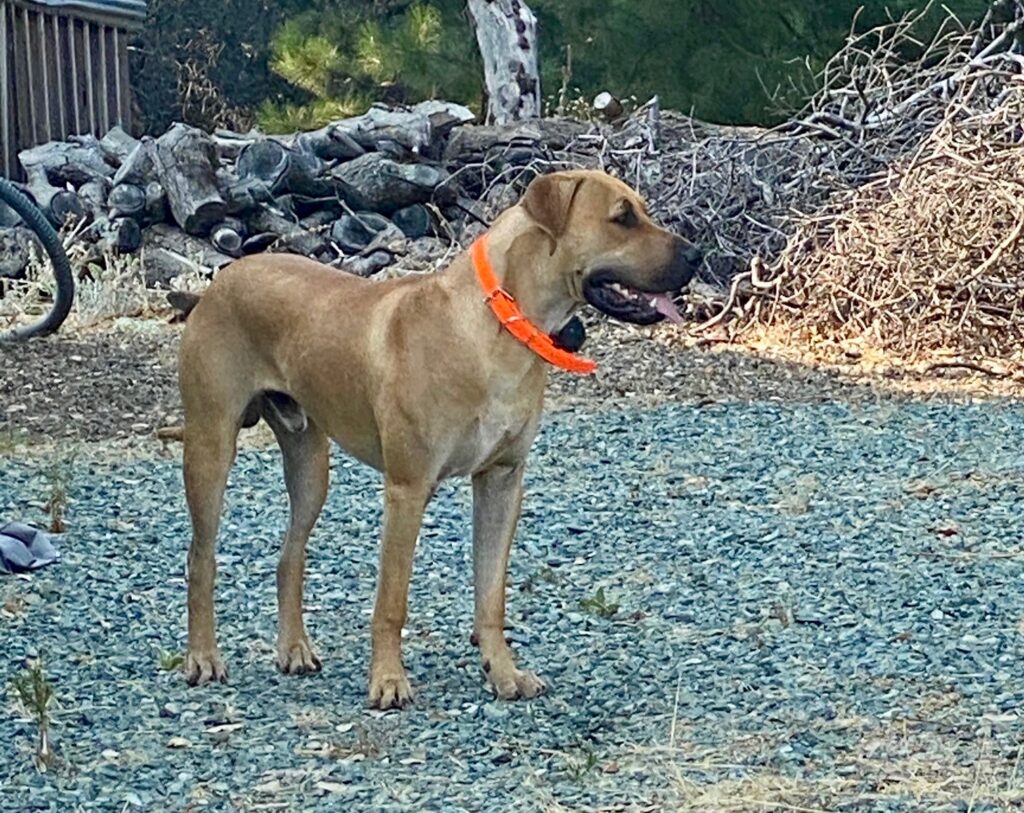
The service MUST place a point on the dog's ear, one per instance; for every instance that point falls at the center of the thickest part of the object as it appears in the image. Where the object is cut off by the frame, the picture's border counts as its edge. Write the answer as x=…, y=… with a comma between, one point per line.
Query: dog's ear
x=548, y=200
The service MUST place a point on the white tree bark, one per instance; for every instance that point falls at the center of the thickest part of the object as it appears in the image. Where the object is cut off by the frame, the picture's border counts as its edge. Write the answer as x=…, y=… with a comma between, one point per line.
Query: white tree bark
x=506, y=31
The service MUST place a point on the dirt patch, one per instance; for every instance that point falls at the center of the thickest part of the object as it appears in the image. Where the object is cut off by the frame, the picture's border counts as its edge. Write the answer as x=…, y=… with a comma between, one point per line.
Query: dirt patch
x=115, y=383
x=118, y=383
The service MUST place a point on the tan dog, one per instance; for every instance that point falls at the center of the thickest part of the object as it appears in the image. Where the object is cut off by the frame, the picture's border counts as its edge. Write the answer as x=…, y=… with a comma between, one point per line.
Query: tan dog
x=415, y=377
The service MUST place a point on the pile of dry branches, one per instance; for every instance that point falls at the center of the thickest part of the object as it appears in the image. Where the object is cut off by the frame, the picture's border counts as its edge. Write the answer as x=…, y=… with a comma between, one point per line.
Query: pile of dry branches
x=888, y=212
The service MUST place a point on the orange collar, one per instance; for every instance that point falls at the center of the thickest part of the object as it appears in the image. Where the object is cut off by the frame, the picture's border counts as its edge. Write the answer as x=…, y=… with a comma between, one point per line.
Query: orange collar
x=505, y=307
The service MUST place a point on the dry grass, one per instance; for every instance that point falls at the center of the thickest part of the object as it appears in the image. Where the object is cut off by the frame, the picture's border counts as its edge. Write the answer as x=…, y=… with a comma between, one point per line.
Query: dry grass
x=920, y=259
x=884, y=218
x=109, y=288
x=924, y=261
x=902, y=762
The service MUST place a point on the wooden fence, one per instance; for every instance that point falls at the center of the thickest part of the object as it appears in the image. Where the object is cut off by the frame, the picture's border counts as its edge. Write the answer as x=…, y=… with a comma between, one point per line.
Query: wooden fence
x=63, y=71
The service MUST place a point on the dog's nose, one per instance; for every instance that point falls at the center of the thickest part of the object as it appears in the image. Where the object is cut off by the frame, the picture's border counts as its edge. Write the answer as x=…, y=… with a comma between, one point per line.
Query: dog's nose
x=687, y=261
x=692, y=254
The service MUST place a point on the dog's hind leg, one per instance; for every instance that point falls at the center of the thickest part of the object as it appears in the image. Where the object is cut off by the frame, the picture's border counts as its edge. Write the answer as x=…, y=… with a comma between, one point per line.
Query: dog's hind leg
x=209, y=453
x=306, y=454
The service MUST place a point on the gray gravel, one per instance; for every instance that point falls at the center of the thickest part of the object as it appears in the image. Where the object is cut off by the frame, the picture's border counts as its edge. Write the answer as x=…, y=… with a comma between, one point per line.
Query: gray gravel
x=818, y=605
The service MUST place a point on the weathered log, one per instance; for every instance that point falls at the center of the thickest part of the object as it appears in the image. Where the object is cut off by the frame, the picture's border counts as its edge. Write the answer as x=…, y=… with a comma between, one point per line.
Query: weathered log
x=330, y=143
x=230, y=144
x=156, y=203
x=168, y=252
x=265, y=161
x=59, y=205
x=257, y=243
x=368, y=265
x=318, y=219
x=185, y=160
x=16, y=247
x=64, y=207
x=443, y=116
x=226, y=238
x=291, y=237
x=415, y=221
x=353, y=233
x=93, y=195
x=416, y=130
x=304, y=205
x=506, y=31
x=607, y=106
x=419, y=130
x=237, y=224
x=242, y=197
x=128, y=200
x=387, y=186
x=477, y=143
x=282, y=169
x=117, y=146
x=39, y=188
x=140, y=165
x=120, y=235
x=74, y=162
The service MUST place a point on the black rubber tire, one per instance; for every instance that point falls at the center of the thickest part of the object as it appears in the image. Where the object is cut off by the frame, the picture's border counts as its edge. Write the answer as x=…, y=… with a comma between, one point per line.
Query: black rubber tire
x=36, y=220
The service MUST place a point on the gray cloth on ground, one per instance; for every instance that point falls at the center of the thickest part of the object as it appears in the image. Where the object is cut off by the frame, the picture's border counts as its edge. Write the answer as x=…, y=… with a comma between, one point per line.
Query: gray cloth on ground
x=24, y=548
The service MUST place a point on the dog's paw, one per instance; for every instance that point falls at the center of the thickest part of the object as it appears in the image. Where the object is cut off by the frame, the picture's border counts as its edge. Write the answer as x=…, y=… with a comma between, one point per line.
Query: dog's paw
x=298, y=658
x=204, y=667
x=390, y=690
x=515, y=684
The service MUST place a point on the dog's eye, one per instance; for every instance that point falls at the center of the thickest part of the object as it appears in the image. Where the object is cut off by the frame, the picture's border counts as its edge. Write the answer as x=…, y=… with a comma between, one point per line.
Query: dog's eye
x=627, y=217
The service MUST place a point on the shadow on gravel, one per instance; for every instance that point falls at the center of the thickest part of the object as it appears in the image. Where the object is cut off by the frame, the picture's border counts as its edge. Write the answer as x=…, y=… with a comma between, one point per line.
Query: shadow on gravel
x=743, y=606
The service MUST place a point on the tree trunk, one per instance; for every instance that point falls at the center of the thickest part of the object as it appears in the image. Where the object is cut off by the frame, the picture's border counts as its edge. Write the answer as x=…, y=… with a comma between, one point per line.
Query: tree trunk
x=506, y=31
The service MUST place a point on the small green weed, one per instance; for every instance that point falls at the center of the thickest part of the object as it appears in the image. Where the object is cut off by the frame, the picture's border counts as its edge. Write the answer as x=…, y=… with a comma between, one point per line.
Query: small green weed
x=169, y=661
x=35, y=693
x=599, y=604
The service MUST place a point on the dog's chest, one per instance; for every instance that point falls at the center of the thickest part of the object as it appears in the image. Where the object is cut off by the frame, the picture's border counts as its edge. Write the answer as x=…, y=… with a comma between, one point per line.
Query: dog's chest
x=488, y=436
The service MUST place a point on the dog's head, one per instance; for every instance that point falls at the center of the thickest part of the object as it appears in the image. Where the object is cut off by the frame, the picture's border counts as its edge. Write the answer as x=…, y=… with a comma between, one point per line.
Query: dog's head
x=611, y=253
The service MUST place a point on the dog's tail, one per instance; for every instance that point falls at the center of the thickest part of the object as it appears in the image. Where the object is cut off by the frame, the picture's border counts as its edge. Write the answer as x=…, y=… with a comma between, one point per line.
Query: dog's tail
x=171, y=433
x=183, y=302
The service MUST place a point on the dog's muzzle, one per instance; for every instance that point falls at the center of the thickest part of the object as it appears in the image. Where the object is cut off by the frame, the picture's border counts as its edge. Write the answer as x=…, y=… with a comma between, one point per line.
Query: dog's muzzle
x=619, y=295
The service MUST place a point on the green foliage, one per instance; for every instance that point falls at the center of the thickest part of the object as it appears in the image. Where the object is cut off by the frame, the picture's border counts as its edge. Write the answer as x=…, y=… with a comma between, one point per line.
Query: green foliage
x=344, y=59
x=300, y=63
x=723, y=61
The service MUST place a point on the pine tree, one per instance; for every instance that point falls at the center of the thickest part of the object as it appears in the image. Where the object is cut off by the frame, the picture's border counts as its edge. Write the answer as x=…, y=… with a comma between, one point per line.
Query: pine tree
x=346, y=58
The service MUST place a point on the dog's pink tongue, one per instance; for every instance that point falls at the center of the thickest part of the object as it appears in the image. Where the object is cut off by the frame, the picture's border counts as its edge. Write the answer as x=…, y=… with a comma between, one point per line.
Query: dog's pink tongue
x=666, y=307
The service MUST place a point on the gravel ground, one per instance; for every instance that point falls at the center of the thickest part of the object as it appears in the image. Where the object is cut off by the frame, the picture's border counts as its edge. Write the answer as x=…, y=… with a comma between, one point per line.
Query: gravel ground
x=805, y=606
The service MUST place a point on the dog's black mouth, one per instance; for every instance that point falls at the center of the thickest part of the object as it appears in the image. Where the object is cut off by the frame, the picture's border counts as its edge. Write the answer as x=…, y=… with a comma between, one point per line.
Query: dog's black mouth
x=622, y=302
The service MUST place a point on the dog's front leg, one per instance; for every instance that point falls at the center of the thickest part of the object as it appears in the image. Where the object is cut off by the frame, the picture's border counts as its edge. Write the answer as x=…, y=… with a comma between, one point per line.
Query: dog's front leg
x=403, y=513
x=497, y=498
